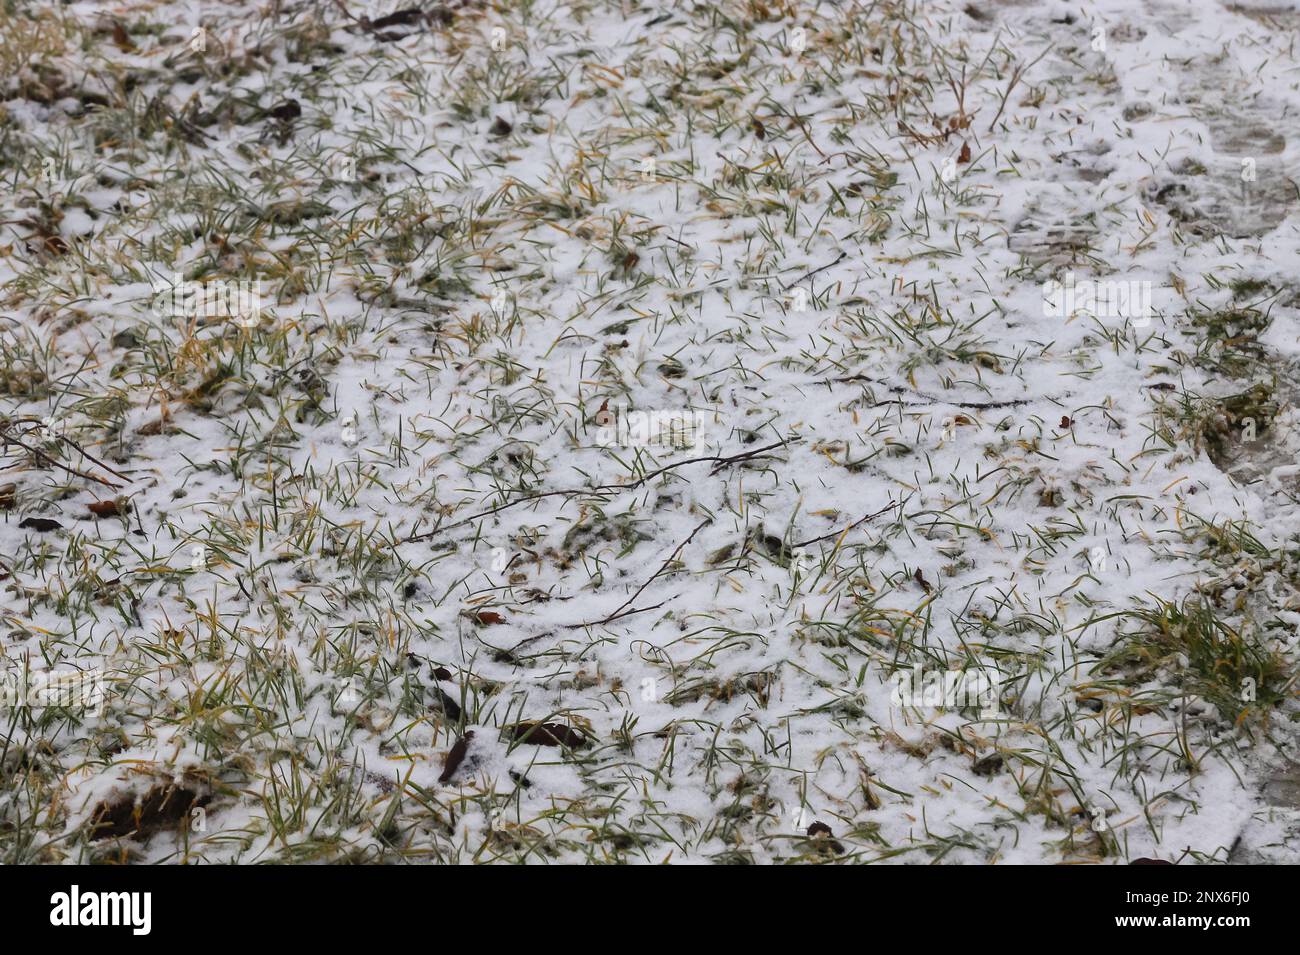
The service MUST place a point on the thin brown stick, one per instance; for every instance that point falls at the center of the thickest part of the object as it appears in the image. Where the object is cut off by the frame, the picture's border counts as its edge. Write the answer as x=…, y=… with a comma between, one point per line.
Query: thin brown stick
x=1016, y=76
x=596, y=489
x=653, y=577
x=9, y=439
x=808, y=275
x=86, y=454
x=817, y=540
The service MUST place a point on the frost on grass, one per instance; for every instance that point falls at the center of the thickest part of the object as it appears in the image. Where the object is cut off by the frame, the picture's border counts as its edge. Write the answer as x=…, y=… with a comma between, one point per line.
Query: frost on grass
x=593, y=431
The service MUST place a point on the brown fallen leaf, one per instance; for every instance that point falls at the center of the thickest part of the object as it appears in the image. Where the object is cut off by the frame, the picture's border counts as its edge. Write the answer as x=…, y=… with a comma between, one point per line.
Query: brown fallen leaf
x=160, y=425
x=121, y=39
x=489, y=618
x=54, y=245
x=821, y=831
x=545, y=734
x=445, y=703
x=964, y=155
x=455, y=756
x=41, y=525
x=990, y=765
x=285, y=111
x=411, y=16
x=868, y=794
x=104, y=508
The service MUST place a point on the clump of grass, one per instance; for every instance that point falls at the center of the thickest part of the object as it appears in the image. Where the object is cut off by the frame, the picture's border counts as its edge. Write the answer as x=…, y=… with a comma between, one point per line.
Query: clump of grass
x=1249, y=287
x=1229, y=340
x=29, y=37
x=1232, y=420
x=1220, y=426
x=1205, y=655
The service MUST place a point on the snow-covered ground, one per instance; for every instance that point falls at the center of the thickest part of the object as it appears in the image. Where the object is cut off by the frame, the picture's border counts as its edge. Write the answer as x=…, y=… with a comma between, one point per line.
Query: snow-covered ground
x=695, y=432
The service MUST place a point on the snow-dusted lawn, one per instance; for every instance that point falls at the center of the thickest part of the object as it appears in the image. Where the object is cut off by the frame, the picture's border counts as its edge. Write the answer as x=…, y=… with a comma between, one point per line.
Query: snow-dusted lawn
x=693, y=432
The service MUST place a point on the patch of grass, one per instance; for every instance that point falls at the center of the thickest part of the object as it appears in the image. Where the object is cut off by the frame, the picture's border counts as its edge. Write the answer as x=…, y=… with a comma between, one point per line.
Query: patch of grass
x=1192, y=644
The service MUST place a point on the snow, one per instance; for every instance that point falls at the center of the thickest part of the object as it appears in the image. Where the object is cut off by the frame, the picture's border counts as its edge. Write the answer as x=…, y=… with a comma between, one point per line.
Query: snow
x=1033, y=476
